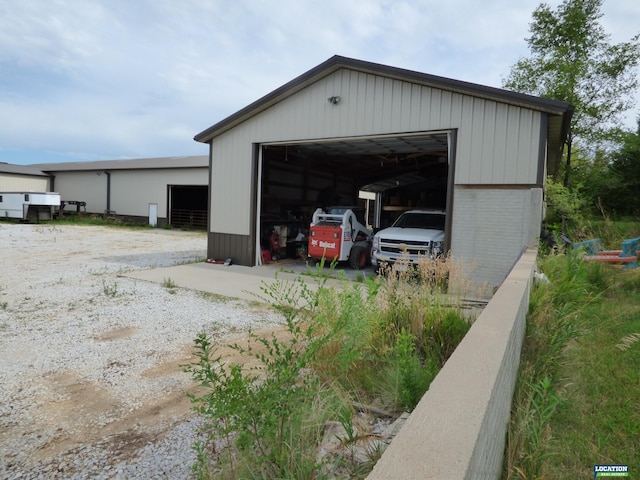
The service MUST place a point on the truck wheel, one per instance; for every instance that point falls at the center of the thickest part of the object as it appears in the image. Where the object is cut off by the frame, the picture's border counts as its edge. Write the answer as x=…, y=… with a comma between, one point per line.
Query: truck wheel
x=358, y=258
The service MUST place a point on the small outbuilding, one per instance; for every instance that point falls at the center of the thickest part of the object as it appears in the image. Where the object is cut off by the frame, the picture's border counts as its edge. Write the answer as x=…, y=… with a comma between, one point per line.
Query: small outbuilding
x=419, y=141
x=163, y=191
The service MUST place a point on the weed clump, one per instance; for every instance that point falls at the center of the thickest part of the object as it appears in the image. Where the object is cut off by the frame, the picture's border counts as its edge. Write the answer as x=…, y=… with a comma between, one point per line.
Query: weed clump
x=380, y=341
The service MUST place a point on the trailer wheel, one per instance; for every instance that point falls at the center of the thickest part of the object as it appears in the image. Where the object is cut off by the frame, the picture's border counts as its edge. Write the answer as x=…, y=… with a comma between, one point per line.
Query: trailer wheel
x=359, y=257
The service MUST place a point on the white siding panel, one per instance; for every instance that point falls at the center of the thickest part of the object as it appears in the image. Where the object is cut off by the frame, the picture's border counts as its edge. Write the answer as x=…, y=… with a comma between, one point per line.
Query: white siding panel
x=23, y=183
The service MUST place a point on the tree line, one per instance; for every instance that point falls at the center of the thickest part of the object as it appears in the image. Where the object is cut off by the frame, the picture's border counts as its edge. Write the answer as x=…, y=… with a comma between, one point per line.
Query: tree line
x=572, y=59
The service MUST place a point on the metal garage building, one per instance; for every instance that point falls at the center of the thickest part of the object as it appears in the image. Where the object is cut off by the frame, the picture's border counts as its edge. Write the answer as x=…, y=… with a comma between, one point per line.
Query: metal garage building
x=169, y=190
x=20, y=178
x=346, y=125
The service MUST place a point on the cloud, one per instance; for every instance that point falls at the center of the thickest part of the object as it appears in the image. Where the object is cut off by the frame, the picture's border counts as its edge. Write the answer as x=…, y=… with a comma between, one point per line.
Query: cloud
x=99, y=79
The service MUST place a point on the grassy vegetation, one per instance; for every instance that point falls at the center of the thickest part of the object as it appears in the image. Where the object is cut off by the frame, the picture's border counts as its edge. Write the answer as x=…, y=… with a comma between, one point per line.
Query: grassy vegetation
x=611, y=232
x=97, y=220
x=378, y=342
x=576, y=403
x=169, y=283
x=92, y=219
x=110, y=289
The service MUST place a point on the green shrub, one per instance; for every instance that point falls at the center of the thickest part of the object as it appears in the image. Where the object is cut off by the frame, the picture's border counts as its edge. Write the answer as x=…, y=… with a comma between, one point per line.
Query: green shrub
x=261, y=412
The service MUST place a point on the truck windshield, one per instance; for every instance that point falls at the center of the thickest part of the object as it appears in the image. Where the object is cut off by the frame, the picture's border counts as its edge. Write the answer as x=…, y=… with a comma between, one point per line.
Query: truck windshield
x=420, y=220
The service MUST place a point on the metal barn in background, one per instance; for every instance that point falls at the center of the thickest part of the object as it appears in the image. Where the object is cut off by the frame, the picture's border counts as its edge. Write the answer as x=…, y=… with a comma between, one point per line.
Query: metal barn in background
x=168, y=190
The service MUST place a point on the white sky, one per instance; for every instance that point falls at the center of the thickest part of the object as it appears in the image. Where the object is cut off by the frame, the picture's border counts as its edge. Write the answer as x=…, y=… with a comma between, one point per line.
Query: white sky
x=112, y=79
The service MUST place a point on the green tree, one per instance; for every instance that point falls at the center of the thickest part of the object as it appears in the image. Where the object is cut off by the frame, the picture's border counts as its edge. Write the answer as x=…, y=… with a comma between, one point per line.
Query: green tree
x=593, y=177
x=623, y=195
x=565, y=207
x=573, y=60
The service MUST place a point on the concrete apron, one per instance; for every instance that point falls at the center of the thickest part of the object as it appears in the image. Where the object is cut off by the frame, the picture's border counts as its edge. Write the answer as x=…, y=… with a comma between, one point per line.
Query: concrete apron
x=237, y=281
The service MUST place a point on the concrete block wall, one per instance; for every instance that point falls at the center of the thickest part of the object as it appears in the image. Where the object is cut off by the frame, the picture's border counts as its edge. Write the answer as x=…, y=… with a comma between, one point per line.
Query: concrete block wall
x=458, y=430
x=491, y=227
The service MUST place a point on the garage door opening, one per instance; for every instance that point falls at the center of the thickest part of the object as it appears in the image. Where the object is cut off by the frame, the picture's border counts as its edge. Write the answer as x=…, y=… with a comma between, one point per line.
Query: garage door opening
x=387, y=174
x=188, y=206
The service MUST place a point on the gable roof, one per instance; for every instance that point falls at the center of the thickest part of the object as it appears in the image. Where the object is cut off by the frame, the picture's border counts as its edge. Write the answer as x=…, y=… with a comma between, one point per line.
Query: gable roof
x=194, y=161
x=559, y=112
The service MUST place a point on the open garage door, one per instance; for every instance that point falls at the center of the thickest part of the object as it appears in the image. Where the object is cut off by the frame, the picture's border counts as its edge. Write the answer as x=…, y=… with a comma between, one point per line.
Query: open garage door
x=401, y=171
x=188, y=206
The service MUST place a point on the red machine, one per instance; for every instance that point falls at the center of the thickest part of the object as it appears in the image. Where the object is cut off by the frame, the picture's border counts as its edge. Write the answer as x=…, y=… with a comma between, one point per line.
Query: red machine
x=340, y=235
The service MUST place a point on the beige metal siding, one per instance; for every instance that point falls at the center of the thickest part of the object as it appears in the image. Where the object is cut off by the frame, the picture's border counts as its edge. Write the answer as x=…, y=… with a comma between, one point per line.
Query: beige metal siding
x=231, y=185
x=497, y=144
x=89, y=187
x=23, y=183
x=133, y=190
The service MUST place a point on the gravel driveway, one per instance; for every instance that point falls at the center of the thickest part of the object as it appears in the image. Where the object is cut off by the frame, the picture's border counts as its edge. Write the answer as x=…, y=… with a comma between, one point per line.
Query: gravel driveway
x=90, y=378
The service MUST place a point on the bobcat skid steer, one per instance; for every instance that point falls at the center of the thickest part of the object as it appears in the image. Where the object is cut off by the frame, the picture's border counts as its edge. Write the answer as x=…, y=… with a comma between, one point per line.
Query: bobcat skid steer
x=339, y=235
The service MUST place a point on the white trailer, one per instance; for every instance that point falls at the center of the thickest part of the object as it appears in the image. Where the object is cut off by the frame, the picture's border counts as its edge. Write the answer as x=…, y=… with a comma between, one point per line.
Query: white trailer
x=29, y=206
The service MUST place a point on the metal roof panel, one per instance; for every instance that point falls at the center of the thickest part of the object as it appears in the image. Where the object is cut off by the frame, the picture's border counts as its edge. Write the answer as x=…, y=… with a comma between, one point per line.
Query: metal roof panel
x=193, y=161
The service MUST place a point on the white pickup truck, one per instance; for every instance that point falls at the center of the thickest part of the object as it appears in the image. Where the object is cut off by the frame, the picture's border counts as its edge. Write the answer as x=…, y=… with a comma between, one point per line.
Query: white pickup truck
x=414, y=234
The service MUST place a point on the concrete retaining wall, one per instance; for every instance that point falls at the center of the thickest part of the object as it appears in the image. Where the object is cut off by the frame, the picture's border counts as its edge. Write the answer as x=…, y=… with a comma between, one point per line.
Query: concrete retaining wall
x=458, y=429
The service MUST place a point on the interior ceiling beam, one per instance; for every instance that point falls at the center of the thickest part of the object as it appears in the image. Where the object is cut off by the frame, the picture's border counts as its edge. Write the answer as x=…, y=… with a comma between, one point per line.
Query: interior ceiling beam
x=378, y=162
x=374, y=145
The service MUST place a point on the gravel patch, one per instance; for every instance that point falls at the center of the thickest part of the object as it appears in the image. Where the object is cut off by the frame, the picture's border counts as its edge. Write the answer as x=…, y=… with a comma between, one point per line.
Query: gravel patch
x=91, y=383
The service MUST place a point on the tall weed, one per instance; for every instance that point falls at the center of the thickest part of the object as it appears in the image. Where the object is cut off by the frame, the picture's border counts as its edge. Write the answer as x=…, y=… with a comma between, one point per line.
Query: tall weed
x=414, y=375
x=372, y=317
x=555, y=317
x=260, y=411
x=385, y=338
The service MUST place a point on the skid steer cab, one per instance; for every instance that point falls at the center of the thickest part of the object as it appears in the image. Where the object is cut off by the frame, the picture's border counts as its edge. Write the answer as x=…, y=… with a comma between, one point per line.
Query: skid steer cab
x=339, y=234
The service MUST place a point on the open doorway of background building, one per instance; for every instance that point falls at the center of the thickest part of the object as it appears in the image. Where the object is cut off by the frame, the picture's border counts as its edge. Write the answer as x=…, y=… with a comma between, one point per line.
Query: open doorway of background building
x=188, y=206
